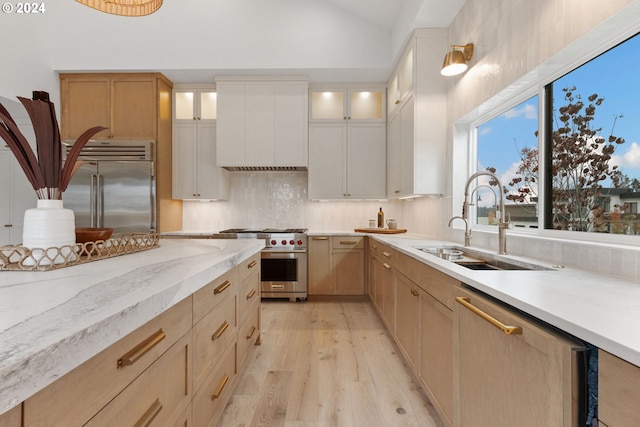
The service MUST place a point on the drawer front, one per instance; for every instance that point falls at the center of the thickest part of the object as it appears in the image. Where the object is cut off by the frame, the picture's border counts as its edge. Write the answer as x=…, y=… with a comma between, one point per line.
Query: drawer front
x=249, y=294
x=249, y=267
x=185, y=419
x=249, y=333
x=209, y=401
x=387, y=255
x=158, y=397
x=437, y=284
x=347, y=242
x=12, y=418
x=211, y=336
x=215, y=293
x=112, y=369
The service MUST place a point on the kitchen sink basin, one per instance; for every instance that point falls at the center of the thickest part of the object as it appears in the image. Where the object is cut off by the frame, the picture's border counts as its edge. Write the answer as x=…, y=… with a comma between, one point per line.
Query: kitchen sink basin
x=477, y=260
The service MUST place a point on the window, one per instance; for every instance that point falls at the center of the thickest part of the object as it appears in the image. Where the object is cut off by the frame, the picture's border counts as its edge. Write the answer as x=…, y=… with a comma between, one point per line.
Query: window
x=507, y=145
x=592, y=151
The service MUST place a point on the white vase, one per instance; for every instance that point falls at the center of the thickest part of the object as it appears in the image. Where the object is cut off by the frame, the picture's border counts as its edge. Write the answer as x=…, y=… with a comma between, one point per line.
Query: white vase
x=49, y=225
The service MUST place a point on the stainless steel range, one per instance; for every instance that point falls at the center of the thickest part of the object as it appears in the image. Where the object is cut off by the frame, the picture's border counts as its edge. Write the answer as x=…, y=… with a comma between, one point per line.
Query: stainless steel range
x=283, y=272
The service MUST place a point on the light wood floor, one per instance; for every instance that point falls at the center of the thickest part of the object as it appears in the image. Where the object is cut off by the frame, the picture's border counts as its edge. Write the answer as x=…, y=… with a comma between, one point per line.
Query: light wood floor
x=325, y=363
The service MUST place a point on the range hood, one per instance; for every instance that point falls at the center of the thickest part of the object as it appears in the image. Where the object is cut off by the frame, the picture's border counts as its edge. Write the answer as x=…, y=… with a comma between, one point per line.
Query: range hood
x=265, y=168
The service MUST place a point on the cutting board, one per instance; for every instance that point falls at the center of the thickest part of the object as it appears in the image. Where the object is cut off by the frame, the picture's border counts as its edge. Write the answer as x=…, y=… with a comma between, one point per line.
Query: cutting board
x=380, y=230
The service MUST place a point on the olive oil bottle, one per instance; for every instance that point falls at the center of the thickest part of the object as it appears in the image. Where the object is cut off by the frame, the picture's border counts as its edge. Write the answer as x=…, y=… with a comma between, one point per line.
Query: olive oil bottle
x=380, y=219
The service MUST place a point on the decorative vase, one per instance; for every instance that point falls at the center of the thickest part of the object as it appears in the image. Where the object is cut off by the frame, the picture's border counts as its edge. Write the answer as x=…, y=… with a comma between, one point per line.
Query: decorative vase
x=49, y=231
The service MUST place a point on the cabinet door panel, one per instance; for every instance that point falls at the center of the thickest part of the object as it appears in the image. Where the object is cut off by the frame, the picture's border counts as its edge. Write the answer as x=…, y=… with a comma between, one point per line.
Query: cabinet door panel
x=134, y=114
x=185, y=141
x=260, y=124
x=348, y=269
x=407, y=153
x=618, y=392
x=12, y=418
x=327, y=164
x=87, y=103
x=407, y=319
x=320, y=278
x=231, y=124
x=291, y=127
x=366, y=177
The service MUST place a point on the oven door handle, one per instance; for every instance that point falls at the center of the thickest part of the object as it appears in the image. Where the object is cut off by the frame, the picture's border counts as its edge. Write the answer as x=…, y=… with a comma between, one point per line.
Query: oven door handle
x=282, y=254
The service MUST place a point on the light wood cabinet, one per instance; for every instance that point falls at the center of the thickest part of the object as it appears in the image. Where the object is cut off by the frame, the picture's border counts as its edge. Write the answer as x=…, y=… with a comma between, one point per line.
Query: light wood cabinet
x=132, y=106
x=336, y=265
x=262, y=122
x=388, y=287
x=408, y=319
x=176, y=370
x=375, y=275
x=113, y=369
x=416, y=137
x=12, y=418
x=157, y=397
x=618, y=393
x=347, y=142
x=522, y=379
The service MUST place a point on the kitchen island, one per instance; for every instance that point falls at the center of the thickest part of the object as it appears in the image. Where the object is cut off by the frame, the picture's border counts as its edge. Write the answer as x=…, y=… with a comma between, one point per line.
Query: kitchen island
x=51, y=322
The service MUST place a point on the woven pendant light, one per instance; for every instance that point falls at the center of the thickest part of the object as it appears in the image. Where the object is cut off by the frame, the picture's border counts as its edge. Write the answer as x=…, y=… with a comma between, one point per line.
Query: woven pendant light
x=124, y=7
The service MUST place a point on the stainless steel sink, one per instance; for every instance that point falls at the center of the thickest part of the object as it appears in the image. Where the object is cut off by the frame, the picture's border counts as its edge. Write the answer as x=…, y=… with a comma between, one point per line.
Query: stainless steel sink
x=478, y=260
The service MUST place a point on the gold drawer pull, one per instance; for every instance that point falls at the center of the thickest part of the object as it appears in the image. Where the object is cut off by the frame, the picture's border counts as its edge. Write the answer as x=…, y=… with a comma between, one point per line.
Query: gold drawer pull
x=385, y=265
x=320, y=238
x=509, y=330
x=220, y=289
x=348, y=242
x=141, y=349
x=150, y=415
x=253, y=331
x=220, y=387
x=252, y=264
x=387, y=254
x=251, y=294
x=220, y=331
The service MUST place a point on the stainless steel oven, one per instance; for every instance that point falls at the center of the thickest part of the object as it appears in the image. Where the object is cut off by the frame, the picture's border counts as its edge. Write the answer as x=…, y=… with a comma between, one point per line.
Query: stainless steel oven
x=283, y=269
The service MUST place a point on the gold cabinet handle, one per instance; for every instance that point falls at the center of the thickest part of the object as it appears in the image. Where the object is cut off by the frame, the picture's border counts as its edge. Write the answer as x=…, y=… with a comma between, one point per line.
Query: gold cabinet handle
x=387, y=254
x=385, y=265
x=251, y=294
x=218, y=333
x=220, y=387
x=509, y=330
x=348, y=242
x=252, y=264
x=220, y=289
x=151, y=413
x=141, y=349
x=320, y=238
x=253, y=331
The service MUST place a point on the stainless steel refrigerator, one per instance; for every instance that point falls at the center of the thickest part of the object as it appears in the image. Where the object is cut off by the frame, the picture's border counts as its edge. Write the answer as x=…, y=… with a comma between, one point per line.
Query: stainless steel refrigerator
x=115, y=186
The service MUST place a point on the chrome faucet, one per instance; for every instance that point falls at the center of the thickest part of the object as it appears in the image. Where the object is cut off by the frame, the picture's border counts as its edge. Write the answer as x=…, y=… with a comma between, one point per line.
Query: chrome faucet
x=503, y=223
x=467, y=231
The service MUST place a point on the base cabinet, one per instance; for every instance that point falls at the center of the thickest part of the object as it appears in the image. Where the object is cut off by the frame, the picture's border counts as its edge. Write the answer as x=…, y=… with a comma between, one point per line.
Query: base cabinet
x=523, y=378
x=618, y=393
x=336, y=265
x=179, y=369
x=12, y=418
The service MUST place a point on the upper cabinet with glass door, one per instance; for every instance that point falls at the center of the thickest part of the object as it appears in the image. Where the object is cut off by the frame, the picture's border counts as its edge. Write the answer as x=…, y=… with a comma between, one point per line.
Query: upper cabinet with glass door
x=347, y=102
x=195, y=102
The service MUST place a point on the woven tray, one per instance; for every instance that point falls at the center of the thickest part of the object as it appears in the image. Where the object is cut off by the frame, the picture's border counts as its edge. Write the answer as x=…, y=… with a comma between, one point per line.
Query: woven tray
x=20, y=258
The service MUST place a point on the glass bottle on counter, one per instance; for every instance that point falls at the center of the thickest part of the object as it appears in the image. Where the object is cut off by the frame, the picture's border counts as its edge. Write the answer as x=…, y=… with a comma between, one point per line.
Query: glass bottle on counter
x=380, y=219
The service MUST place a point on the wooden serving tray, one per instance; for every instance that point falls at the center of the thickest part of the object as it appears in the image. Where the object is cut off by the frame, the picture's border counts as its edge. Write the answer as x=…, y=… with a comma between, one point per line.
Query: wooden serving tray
x=380, y=230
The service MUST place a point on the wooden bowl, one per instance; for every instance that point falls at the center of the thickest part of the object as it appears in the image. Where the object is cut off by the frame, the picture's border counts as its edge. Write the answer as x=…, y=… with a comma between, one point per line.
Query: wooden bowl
x=89, y=234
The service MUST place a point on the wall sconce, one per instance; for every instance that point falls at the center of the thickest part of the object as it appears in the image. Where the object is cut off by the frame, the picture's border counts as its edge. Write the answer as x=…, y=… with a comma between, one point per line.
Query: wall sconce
x=124, y=7
x=455, y=61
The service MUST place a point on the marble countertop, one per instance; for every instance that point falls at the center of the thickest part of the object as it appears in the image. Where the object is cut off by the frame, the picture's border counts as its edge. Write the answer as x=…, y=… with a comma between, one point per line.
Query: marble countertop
x=51, y=322
x=601, y=310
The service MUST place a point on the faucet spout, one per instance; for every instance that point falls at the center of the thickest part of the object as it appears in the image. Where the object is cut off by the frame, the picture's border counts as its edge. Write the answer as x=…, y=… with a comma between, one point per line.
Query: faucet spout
x=467, y=230
x=504, y=222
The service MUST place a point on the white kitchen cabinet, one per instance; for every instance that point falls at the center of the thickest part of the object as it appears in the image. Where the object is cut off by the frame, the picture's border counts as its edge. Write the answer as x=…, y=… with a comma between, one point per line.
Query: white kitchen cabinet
x=262, y=122
x=347, y=160
x=355, y=103
x=17, y=196
x=194, y=102
x=417, y=119
x=195, y=173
